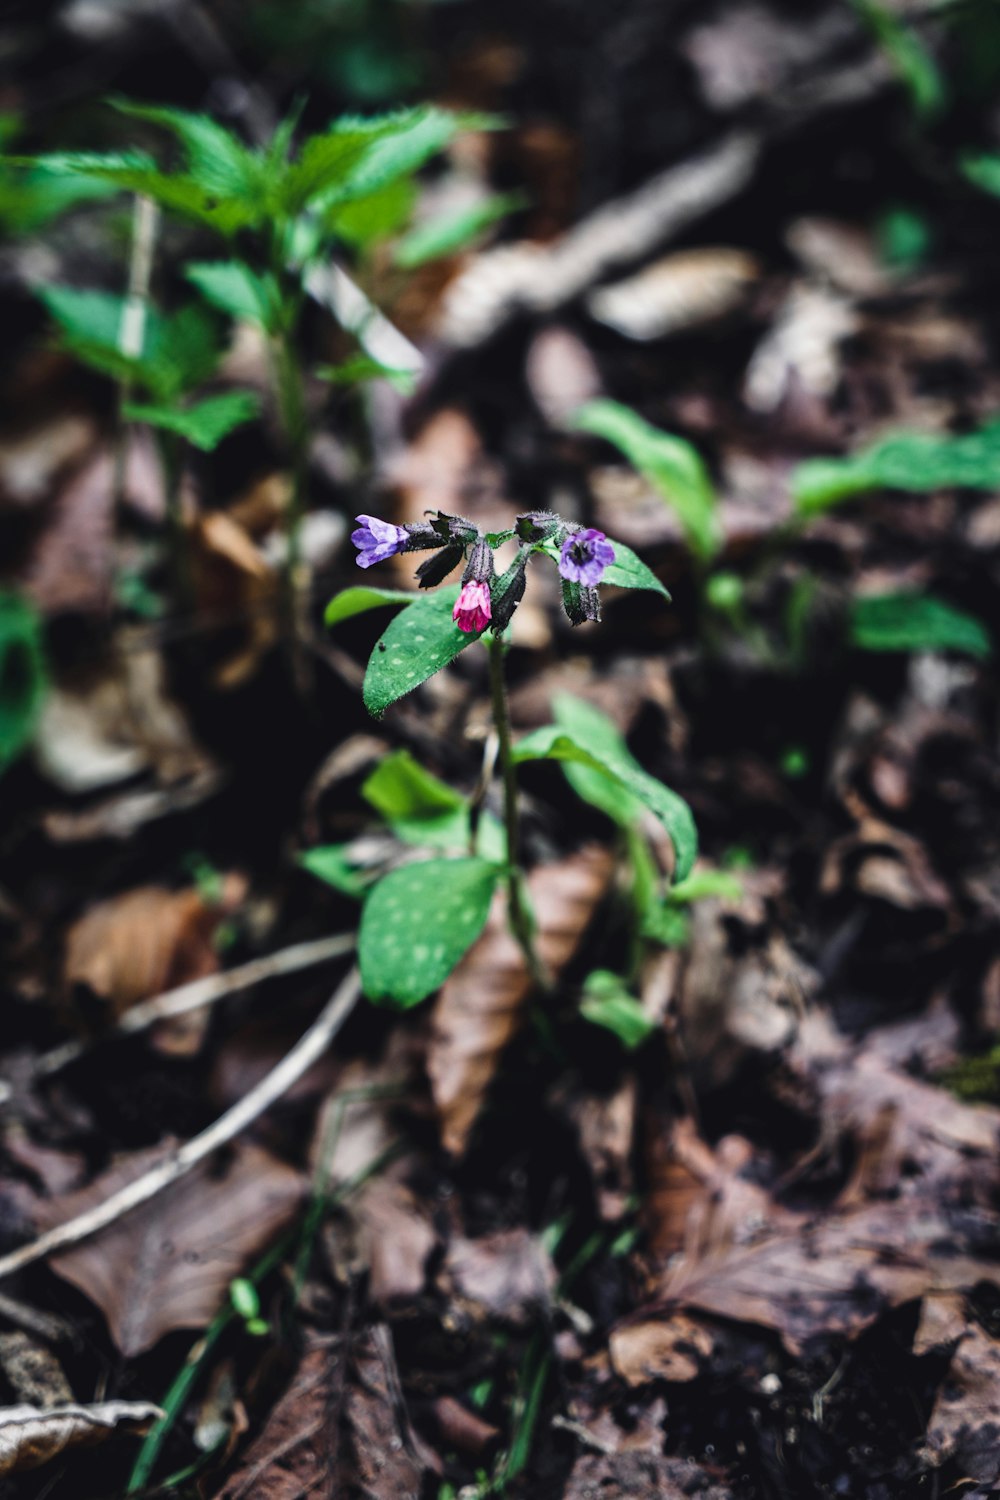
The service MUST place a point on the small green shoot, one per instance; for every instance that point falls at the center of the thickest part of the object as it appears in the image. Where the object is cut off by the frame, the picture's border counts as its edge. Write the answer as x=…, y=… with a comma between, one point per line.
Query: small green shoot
x=23, y=676
x=606, y=1002
x=911, y=461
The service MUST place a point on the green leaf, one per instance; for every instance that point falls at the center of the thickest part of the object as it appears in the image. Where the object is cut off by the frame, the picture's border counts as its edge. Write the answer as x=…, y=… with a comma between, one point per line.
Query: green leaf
x=364, y=222
x=552, y=742
x=914, y=461
x=418, y=922
x=419, y=808
x=607, y=1003
x=406, y=142
x=359, y=598
x=420, y=641
x=206, y=423
x=630, y=572
x=326, y=160
x=233, y=288
x=136, y=172
x=331, y=863
x=911, y=59
x=982, y=168
x=705, y=884
x=589, y=726
x=362, y=367
x=670, y=464
x=244, y=1297
x=916, y=622
x=451, y=232
x=217, y=160
x=23, y=678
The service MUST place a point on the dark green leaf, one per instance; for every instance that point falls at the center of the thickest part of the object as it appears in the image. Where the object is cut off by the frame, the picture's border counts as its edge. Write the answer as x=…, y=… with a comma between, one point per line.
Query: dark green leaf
x=217, y=160
x=23, y=678
x=418, y=922
x=206, y=423
x=914, y=461
x=630, y=572
x=916, y=622
x=362, y=367
x=233, y=288
x=419, y=642
x=364, y=222
x=359, y=598
x=982, y=168
x=670, y=464
x=911, y=59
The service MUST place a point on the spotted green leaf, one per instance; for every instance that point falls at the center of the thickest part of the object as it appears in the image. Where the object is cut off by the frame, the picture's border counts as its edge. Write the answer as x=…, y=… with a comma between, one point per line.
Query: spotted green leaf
x=421, y=640
x=418, y=922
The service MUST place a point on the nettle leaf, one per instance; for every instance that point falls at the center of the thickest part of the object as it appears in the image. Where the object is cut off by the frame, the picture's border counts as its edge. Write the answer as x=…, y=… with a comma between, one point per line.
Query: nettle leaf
x=137, y=172
x=916, y=622
x=360, y=598
x=364, y=222
x=206, y=423
x=915, y=461
x=418, y=922
x=452, y=232
x=218, y=162
x=670, y=464
x=23, y=678
x=332, y=864
x=326, y=160
x=233, y=288
x=420, y=641
x=406, y=141
x=552, y=742
x=606, y=1002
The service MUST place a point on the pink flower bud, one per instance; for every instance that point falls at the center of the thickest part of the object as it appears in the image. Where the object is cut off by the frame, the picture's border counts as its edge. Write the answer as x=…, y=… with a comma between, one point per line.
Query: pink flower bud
x=473, y=609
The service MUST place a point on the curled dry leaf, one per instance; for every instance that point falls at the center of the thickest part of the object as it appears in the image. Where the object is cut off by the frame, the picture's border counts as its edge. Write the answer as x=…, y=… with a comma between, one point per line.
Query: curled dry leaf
x=480, y=1007
x=30, y=1436
x=371, y=1453
x=146, y=941
x=682, y=291
x=168, y=1263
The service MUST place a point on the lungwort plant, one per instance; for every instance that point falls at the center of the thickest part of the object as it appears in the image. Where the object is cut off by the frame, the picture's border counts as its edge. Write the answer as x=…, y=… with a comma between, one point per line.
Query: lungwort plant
x=422, y=916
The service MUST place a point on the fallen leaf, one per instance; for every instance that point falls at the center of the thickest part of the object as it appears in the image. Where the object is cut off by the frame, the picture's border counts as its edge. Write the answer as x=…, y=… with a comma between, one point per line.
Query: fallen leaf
x=371, y=1453
x=635, y=1475
x=672, y=1348
x=507, y=1273
x=682, y=291
x=236, y=589
x=30, y=1436
x=146, y=941
x=605, y=1124
x=479, y=1008
x=168, y=1263
x=561, y=373
x=965, y=1423
x=32, y=1371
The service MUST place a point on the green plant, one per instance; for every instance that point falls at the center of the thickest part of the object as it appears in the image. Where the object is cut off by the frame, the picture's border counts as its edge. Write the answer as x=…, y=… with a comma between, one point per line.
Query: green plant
x=421, y=917
x=23, y=678
x=280, y=210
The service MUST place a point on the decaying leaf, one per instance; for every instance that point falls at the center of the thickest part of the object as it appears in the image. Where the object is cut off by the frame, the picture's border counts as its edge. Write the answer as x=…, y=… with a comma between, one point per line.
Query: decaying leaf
x=479, y=1009
x=682, y=291
x=340, y=1428
x=673, y=1348
x=236, y=589
x=32, y=1370
x=965, y=1422
x=146, y=941
x=31, y=1436
x=168, y=1263
x=507, y=1274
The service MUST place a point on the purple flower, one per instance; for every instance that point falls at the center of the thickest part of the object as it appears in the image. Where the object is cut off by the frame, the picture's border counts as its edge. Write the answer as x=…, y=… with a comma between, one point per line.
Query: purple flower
x=473, y=609
x=376, y=540
x=584, y=557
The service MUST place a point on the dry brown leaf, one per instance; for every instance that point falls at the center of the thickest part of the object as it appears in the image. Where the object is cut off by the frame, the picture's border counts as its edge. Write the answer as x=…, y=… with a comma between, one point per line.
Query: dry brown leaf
x=965, y=1422
x=168, y=1263
x=507, y=1273
x=682, y=291
x=301, y=1450
x=641, y=1475
x=146, y=941
x=32, y=1370
x=479, y=1009
x=606, y=1126
x=561, y=373
x=32, y=461
x=235, y=588
x=673, y=1348
x=30, y=1436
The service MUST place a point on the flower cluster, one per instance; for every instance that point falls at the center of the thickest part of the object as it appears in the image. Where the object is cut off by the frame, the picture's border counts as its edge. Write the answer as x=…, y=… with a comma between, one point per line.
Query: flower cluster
x=582, y=555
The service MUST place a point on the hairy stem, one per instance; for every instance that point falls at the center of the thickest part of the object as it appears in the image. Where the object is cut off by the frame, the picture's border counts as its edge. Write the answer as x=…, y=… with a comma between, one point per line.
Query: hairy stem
x=520, y=919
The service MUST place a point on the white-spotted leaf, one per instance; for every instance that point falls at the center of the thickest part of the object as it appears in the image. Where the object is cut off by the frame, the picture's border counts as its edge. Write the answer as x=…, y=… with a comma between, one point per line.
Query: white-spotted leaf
x=420, y=641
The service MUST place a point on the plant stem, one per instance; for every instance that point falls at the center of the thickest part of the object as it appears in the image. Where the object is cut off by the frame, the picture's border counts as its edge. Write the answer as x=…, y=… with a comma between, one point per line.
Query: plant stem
x=520, y=919
x=292, y=405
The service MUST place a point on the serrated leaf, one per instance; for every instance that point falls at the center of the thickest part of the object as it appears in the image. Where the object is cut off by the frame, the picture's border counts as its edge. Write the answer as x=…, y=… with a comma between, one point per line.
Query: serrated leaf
x=552, y=742
x=408, y=140
x=421, y=640
x=671, y=465
x=360, y=598
x=916, y=622
x=606, y=1002
x=217, y=160
x=23, y=678
x=364, y=222
x=233, y=288
x=206, y=423
x=331, y=863
x=452, y=232
x=135, y=172
x=417, y=923
x=918, y=462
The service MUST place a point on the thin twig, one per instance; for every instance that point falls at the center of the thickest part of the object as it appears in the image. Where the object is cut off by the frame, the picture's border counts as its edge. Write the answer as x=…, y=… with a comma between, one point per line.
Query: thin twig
x=201, y=992
x=306, y=1051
